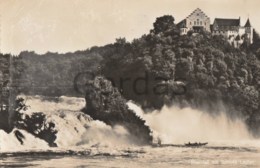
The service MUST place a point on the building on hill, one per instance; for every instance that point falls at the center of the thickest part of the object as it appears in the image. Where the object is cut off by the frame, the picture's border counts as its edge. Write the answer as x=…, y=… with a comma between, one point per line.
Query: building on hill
x=229, y=28
x=196, y=21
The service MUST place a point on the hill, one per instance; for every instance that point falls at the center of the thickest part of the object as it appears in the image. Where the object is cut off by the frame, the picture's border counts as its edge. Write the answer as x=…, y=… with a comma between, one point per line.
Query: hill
x=196, y=70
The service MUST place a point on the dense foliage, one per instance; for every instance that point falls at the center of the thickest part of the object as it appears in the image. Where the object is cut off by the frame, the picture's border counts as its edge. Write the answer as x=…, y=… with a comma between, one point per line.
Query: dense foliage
x=51, y=74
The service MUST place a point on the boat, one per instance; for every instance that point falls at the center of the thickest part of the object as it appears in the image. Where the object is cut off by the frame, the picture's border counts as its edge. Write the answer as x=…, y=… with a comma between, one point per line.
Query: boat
x=195, y=144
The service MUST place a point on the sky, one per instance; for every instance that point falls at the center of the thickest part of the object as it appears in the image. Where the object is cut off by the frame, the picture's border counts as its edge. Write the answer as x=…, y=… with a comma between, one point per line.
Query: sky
x=70, y=25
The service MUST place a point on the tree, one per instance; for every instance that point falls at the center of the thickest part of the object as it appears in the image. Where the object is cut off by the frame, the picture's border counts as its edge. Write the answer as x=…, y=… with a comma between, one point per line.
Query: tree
x=163, y=23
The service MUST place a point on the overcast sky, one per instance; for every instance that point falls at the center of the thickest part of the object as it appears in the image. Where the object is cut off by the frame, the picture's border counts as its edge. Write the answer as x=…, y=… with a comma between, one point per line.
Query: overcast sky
x=69, y=25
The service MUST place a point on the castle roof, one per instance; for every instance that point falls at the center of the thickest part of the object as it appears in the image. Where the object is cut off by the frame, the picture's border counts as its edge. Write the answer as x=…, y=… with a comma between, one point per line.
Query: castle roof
x=248, y=24
x=227, y=22
x=182, y=24
x=196, y=11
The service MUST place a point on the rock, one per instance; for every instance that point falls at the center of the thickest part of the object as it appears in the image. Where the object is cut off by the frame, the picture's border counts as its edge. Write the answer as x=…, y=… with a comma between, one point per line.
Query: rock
x=37, y=125
x=104, y=102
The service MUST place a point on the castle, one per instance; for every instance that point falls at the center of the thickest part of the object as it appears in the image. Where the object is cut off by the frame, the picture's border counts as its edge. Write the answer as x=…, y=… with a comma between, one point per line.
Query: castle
x=229, y=28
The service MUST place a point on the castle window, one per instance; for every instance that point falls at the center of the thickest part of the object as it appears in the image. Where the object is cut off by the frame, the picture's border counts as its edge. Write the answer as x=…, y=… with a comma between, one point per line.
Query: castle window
x=200, y=22
x=190, y=23
x=205, y=23
x=194, y=22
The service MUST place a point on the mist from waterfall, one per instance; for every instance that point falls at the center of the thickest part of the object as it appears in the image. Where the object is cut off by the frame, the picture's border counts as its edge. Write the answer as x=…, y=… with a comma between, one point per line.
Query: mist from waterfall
x=173, y=125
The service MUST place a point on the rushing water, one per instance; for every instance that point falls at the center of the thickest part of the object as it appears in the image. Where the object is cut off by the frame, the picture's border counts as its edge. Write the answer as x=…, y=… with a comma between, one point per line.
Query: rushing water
x=84, y=142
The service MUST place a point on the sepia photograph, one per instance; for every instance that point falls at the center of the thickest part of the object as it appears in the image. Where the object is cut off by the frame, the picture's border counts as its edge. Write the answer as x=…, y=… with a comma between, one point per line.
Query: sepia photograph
x=129, y=83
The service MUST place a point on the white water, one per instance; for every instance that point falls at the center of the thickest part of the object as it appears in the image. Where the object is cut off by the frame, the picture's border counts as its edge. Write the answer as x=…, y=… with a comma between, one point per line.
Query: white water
x=173, y=125
x=78, y=132
x=8, y=142
x=74, y=128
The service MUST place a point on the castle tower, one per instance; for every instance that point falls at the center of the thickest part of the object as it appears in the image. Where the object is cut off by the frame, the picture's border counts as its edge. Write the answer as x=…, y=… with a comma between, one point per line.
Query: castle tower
x=249, y=31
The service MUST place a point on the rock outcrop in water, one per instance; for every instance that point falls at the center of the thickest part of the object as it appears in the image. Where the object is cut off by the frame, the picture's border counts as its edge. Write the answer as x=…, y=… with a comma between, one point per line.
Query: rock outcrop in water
x=35, y=123
x=105, y=103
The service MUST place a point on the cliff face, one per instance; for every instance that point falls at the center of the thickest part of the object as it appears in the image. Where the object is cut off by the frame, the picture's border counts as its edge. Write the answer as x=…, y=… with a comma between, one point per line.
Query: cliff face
x=105, y=103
